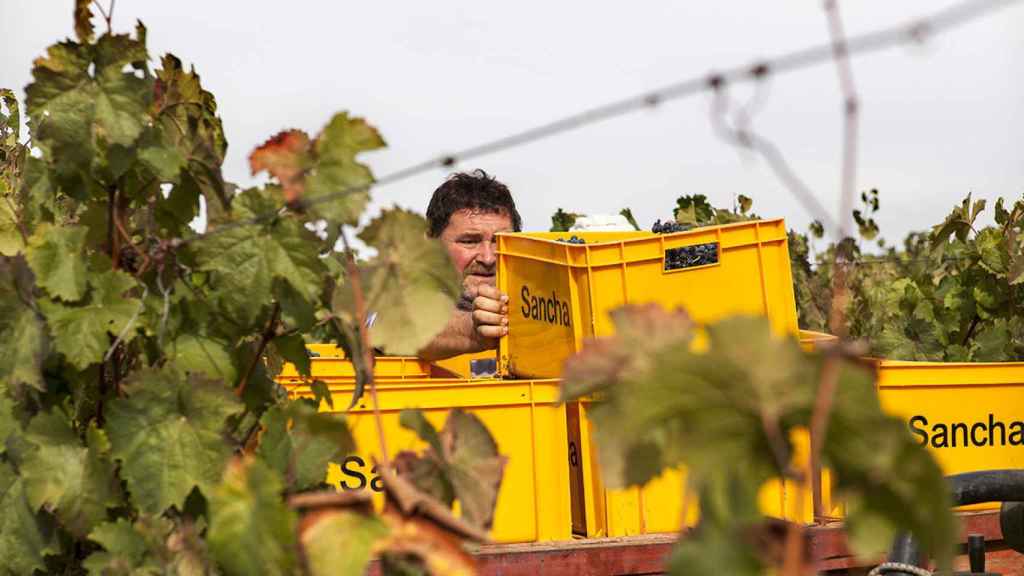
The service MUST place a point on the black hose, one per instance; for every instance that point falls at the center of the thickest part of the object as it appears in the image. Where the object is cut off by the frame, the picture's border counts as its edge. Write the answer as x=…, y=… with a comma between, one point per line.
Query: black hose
x=987, y=486
x=967, y=488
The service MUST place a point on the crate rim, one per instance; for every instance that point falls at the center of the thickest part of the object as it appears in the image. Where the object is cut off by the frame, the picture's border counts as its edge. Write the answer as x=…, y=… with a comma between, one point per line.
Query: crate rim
x=692, y=231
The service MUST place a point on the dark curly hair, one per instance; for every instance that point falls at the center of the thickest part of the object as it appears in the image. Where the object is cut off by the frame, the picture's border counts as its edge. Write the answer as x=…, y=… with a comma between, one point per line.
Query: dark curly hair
x=474, y=190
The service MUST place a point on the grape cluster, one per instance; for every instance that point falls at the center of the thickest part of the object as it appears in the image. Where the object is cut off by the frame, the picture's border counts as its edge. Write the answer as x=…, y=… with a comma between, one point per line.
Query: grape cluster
x=669, y=226
x=574, y=239
x=690, y=256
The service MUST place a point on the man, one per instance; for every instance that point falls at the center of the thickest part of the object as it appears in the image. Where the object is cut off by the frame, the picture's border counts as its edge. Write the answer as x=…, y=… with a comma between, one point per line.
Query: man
x=465, y=213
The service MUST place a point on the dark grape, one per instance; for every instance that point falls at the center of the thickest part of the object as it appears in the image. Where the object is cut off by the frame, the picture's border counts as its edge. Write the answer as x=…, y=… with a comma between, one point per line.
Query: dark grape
x=572, y=240
x=690, y=256
x=669, y=227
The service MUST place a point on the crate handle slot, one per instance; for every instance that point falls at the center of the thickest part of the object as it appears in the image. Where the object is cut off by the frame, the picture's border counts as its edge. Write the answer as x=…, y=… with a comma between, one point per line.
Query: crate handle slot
x=691, y=256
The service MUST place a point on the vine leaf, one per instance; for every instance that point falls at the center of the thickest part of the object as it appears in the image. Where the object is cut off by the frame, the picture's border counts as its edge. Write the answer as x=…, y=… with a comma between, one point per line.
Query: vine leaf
x=340, y=542
x=466, y=455
x=25, y=536
x=727, y=414
x=292, y=348
x=55, y=254
x=191, y=146
x=81, y=332
x=83, y=21
x=244, y=262
x=248, y=515
x=286, y=156
x=205, y=355
x=127, y=549
x=22, y=354
x=78, y=482
x=336, y=148
x=410, y=284
x=82, y=100
x=168, y=436
x=298, y=442
x=308, y=169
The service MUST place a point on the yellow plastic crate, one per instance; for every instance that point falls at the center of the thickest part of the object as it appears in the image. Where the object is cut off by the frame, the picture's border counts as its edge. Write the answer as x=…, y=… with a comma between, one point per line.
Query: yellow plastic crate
x=810, y=339
x=523, y=415
x=462, y=365
x=339, y=368
x=970, y=415
x=561, y=293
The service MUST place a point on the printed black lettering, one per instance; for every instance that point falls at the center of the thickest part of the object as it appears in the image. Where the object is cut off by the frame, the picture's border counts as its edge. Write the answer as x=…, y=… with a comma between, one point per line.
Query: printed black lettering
x=353, y=473
x=1016, y=433
x=921, y=432
x=377, y=484
x=952, y=433
x=550, y=310
x=974, y=428
x=939, y=436
x=992, y=424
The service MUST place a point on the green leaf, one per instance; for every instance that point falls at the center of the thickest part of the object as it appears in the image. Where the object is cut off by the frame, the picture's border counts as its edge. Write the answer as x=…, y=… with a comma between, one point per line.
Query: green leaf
x=321, y=393
x=82, y=100
x=56, y=257
x=22, y=354
x=992, y=344
x=186, y=117
x=199, y=354
x=415, y=420
x=562, y=221
x=298, y=442
x=25, y=535
x=462, y=463
x=337, y=170
x=991, y=245
x=245, y=261
x=292, y=348
x=882, y=471
x=10, y=122
x=77, y=482
x=410, y=284
x=628, y=215
x=82, y=333
x=341, y=543
x=252, y=531
x=128, y=550
x=745, y=203
x=11, y=241
x=168, y=436
x=473, y=465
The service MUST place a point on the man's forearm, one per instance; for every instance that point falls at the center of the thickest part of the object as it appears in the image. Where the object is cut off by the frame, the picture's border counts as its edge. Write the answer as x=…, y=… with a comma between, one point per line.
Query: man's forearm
x=458, y=337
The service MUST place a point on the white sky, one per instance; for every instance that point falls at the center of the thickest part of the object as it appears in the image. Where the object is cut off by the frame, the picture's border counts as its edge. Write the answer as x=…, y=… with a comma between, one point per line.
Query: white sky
x=937, y=120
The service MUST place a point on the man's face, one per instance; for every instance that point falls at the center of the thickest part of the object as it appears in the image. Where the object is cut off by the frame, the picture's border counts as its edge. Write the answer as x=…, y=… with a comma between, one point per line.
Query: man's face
x=471, y=244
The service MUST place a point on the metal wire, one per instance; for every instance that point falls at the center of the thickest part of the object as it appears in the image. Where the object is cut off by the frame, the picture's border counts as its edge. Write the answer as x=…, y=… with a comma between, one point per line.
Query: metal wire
x=914, y=31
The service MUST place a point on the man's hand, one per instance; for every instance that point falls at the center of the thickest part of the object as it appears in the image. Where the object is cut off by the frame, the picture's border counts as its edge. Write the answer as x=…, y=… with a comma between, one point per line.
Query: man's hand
x=481, y=318
x=490, y=313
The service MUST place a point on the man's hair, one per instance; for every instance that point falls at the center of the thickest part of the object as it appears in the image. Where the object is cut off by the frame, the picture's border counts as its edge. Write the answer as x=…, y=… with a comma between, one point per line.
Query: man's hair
x=475, y=191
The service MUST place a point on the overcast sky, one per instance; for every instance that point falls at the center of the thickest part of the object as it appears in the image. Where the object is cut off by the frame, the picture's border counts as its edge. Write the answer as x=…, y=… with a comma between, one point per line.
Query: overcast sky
x=938, y=120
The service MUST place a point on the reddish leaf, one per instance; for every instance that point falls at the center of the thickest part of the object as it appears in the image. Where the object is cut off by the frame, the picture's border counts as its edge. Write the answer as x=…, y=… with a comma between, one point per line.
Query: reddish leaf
x=286, y=157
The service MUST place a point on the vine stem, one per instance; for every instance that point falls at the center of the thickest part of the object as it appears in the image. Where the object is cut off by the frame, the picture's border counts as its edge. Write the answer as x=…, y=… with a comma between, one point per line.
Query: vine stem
x=829, y=379
x=359, y=297
x=265, y=338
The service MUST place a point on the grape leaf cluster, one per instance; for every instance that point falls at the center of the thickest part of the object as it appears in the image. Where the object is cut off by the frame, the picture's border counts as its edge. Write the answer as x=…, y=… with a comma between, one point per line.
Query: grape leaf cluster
x=141, y=428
